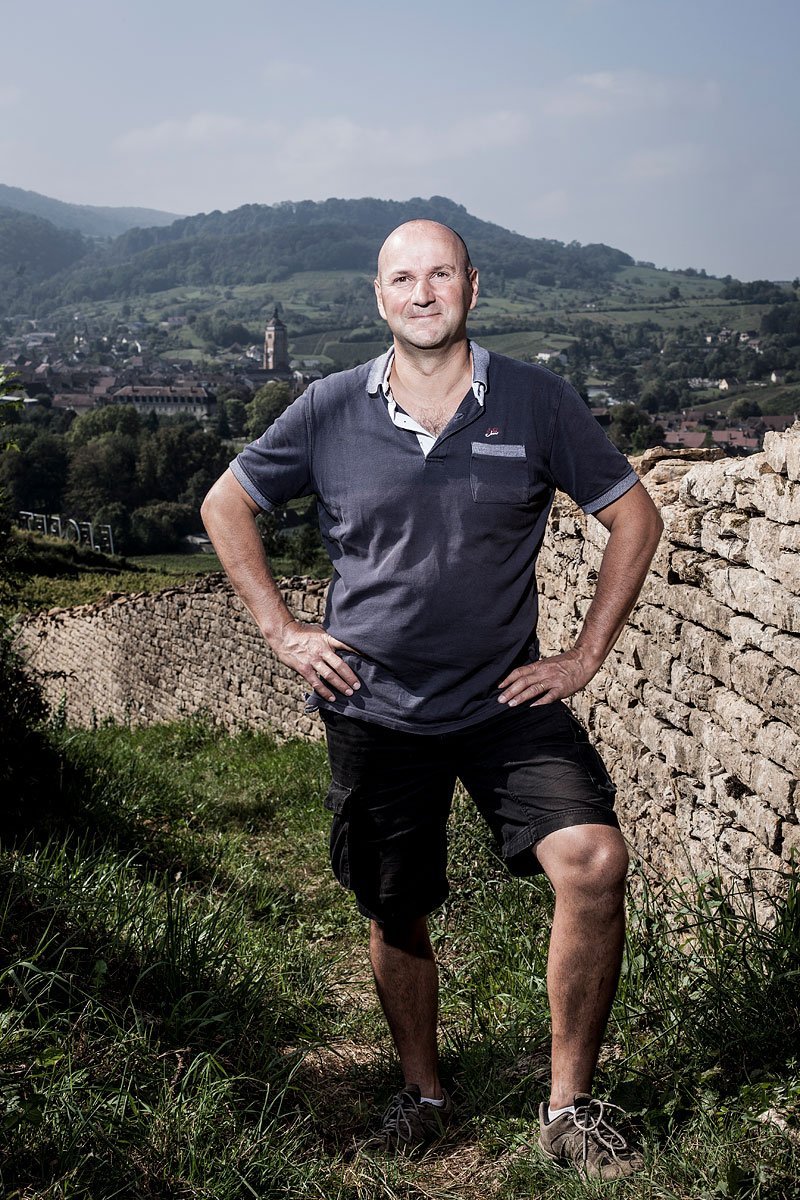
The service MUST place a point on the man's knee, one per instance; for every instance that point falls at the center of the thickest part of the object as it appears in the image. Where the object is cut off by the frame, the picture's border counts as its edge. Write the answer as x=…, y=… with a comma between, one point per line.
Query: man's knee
x=589, y=858
x=407, y=934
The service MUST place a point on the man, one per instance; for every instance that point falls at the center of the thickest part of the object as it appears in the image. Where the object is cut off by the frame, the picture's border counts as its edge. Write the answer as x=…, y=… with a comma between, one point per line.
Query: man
x=434, y=468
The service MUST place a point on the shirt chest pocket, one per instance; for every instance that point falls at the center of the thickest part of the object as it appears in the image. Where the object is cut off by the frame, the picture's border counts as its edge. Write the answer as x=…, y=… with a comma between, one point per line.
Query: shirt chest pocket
x=498, y=473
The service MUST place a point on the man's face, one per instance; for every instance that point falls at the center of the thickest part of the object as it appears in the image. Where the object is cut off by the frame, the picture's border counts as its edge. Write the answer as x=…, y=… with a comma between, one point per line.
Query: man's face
x=424, y=288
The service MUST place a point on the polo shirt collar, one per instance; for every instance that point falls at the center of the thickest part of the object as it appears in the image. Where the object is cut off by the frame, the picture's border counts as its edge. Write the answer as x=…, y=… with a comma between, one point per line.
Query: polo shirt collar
x=378, y=380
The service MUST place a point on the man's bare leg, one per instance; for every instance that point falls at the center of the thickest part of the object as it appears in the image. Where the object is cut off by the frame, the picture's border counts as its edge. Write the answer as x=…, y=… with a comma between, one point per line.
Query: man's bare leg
x=586, y=865
x=407, y=981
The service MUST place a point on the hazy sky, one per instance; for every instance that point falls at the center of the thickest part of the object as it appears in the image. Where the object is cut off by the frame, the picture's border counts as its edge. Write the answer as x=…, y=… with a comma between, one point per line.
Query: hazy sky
x=667, y=128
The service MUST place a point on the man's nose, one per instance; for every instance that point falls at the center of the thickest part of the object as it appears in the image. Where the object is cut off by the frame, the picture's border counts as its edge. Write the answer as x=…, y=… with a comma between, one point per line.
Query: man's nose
x=423, y=293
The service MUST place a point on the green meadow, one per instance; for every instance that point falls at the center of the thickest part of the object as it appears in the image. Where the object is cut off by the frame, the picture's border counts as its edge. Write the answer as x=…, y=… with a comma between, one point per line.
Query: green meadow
x=186, y=1009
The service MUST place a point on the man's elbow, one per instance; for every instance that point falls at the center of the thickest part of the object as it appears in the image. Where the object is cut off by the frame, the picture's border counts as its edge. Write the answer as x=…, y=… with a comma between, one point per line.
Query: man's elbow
x=213, y=505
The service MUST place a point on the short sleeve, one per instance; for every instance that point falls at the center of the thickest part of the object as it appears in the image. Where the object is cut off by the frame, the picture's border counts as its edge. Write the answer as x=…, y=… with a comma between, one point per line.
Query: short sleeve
x=276, y=467
x=583, y=462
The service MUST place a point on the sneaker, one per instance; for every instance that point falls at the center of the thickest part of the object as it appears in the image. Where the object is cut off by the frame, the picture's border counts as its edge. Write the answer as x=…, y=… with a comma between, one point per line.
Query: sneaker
x=586, y=1139
x=409, y=1125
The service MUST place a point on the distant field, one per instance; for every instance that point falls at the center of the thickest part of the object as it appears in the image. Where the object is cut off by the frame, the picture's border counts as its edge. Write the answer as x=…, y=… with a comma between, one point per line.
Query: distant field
x=78, y=584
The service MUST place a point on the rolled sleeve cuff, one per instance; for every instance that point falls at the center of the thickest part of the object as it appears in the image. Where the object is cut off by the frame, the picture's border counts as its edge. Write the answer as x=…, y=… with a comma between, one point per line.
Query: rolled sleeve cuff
x=244, y=479
x=619, y=489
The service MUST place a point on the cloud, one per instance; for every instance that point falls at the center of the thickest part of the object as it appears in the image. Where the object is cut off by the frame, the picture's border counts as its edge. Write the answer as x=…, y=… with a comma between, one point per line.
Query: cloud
x=610, y=93
x=323, y=143
x=200, y=130
x=665, y=162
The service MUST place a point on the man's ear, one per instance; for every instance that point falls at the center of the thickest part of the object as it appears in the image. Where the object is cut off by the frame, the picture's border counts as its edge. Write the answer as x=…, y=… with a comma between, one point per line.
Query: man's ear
x=378, y=297
x=475, y=288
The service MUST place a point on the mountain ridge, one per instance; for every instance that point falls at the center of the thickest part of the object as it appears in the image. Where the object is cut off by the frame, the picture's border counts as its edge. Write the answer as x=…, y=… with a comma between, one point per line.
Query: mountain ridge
x=88, y=219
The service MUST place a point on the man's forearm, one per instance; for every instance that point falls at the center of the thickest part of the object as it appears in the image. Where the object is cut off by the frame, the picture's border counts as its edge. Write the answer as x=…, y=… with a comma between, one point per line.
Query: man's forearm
x=229, y=516
x=634, y=528
x=231, y=524
x=626, y=560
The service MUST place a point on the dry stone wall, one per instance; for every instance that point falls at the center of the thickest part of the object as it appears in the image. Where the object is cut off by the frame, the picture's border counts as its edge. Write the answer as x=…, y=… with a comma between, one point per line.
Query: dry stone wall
x=696, y=711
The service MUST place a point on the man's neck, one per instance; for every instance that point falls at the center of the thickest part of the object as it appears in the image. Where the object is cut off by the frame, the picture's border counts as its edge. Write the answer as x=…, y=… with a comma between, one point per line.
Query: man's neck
x=431, y=376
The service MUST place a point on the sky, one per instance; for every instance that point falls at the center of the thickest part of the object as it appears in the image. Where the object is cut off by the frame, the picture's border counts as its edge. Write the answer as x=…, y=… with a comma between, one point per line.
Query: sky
x=666, y=128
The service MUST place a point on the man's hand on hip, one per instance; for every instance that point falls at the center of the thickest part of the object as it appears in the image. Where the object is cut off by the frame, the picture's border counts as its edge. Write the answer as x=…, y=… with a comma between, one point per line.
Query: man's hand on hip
x=547, y=680
x=310, y=651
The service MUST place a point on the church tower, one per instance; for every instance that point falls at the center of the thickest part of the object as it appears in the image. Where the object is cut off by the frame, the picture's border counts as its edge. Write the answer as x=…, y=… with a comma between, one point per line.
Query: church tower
x=276, y=345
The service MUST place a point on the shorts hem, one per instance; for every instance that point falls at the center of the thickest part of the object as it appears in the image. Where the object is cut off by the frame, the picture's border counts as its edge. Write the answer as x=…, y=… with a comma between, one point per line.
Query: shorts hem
x=528, y=838
x=407, y=914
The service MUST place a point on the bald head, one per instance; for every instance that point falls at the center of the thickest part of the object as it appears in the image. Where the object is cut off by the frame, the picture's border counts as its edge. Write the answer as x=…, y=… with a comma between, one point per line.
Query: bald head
x=426, y=286
x=413, y=233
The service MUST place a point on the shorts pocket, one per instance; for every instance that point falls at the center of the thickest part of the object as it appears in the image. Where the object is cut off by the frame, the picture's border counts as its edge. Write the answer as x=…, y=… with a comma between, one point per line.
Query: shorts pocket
x=498, y=474
x=337, y=801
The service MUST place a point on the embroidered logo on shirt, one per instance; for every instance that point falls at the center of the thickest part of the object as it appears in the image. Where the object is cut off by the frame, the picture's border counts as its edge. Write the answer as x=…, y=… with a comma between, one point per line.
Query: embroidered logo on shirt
x=493, y=432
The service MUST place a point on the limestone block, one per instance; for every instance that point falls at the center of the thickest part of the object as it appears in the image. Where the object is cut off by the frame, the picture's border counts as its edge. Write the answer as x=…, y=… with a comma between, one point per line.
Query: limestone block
x=705, y=652
x=782, y=451
x=740, y=852
x=746, y=810
x=725, y=534
x=771, y=550
x=790, y=841
x=749, y=634
x=690, y=566
x=664, y=706
x=738, y=717
x=782, y=697
x=720, y=746
x=777, y=498
x=786, y=649
x=780, y=744
x=708, y=483
x=656, y=621
x=774, y=786
x=682, y=525
x=750, y=592
x=752, y=673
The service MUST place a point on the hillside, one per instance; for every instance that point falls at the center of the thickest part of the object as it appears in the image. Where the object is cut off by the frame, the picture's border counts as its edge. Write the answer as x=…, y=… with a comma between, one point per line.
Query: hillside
x=81, y=218
x=32, y=250
x=259, y=244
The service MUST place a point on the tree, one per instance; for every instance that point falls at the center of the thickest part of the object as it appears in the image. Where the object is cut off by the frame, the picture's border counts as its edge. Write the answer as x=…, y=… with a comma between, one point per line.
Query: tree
x=266, y=406
x=101, y=472
x=109, y=418
x=744, y=407
x=236, y=414
x=161, y=526
x=632, y=430
x=34, y=478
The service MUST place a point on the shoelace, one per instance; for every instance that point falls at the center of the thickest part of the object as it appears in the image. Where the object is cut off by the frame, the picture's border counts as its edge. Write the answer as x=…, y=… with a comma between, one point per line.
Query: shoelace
x=397, y=1115
x=594, y=1123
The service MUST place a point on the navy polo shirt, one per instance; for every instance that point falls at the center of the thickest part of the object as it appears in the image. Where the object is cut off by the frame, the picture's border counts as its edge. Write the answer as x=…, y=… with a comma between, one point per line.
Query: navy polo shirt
x=434, y=557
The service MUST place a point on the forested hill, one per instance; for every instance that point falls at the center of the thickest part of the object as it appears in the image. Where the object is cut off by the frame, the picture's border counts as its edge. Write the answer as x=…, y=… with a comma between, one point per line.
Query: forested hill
x=32, y=249
x=266, y=243
x=82, y=218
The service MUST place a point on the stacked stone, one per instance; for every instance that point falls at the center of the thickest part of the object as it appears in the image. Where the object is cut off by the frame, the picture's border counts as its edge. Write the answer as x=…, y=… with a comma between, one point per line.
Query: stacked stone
x=147, y=658
x=696, y=710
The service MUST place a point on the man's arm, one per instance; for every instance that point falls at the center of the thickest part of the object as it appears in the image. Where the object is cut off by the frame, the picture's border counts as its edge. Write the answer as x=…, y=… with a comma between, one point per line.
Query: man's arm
x=229, y=516
x=634, y=528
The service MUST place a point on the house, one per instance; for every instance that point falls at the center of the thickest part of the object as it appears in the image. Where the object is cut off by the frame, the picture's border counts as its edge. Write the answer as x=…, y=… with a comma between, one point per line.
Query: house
x=680, y=437
x=165, y=400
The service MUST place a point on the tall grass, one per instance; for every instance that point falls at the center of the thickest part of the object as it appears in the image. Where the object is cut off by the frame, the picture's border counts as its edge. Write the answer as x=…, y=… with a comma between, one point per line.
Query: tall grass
x=185, y=1009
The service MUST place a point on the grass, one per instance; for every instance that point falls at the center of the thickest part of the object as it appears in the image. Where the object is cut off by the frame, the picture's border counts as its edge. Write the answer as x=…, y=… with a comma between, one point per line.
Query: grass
x=185, y=1008
x=51, y=573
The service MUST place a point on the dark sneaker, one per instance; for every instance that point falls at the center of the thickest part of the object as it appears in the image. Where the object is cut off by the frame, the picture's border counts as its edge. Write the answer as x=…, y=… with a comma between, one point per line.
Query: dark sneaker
x=409, y=1125
x=586, y=1139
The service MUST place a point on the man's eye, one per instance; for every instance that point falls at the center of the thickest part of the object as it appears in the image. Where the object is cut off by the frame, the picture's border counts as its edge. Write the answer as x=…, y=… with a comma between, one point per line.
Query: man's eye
x=400, y=279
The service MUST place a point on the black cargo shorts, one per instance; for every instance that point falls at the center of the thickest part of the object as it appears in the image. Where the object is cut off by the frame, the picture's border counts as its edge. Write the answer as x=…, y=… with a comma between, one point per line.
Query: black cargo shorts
x=530, y=771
